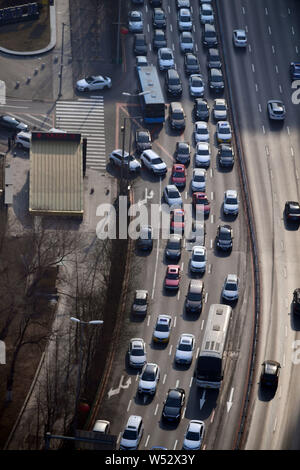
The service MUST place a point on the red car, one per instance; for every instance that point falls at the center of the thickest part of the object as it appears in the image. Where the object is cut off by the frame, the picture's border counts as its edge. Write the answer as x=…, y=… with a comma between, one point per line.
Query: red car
x=172, y=277
x=178, y=175
x=201, y=203
x=177, y=220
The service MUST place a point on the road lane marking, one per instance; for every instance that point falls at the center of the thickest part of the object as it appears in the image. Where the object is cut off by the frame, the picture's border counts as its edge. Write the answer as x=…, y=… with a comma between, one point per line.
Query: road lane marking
x=129, y=405
x=147, y=440
x=164, y=379
x=156, y=409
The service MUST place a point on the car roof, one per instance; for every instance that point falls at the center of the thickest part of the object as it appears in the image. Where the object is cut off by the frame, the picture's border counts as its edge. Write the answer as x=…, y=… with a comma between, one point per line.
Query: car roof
x=175, y=392
x=179, y=166
x=196, y=285
x=173, y=268
x=224, y=228
x=223, y=124
x=172, y=187
x=101, y=425
x=199, y=249
x=182, y=144
x=133, y=421
x=231, y=193
x=141, y=294
x=186, y=33
x=185, y=12
x=164, y=319
x=232, y=278
x=151, y=154
x=172, y=73
x=199, y=171
x=201, y=124
x=194, y=425
x=186, y=338
x=271, y=367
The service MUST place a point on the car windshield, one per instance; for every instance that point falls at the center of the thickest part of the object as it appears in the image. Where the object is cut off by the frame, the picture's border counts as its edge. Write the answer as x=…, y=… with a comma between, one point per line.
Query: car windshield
x=178, y=115
x=173, y=401
x=172, y=275
x=143, y=138
x=140, y=301
x=201, y=201
x=294, y=210
x=202, y=151
x=225, y=235
x=135, y=18
x=173, y=245
x=224, y=130
x=192, y=60
x=226, y=153
x=90, y=79
x=145, y=234
x=173, y=195
x=231, y=286
x=197, y=82
x=162, y=327
x=183, y=149
x=159, y=15
x=220, y=107
x=201, y=107
x=130, y=434
x=198, y=257
x=201, y=130
x=194, y=296
x=178, y=174
x=148, y=375
x=185, y=18
x=192, y=436
x=137, y=352
x=174, y=81
x=156, y=161
x=231, y=200
x=166, y=56
x=185, y=347
x=217, y=78
x=199, y=178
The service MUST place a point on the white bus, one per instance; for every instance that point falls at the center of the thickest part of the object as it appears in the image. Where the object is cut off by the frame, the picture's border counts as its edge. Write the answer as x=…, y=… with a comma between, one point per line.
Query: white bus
x=210, y=364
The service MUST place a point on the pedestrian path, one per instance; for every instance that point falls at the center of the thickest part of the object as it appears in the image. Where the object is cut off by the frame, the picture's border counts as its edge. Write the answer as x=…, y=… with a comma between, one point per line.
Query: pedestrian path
x=87, y=117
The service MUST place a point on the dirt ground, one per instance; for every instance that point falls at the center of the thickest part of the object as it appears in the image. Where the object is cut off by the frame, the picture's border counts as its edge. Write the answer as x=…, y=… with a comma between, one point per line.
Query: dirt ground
x=27, y=35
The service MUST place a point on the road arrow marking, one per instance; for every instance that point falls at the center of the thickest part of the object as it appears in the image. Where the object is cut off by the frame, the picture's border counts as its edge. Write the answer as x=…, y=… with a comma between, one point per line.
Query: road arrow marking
x=202, y=399
x=115, y=391
x=230, y=402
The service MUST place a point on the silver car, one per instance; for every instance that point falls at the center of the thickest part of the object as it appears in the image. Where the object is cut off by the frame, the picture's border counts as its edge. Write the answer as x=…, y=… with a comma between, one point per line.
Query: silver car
x=135, y=21
x=230, y=289
x=185, y=349
x=137, y=352
x=276, y=110
x=172, y=195
x=194, y=435
x=198, y=180
x=118, y=158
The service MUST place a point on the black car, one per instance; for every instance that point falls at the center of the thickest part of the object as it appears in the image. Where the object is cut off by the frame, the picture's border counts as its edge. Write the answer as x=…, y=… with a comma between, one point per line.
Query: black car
x=143, y=140
x=295, y=70
x=201, y=109
x=173, y=248
x=177, y=116
x=292, y=211
x=216, y=80
x=183, y=152
x=270, y=374
x=224, y=237
x=183, y=4
x=209, y=35
x=145, y=240
x=159, y=39
x=159, y=18
x=296, y=301
x=173, y=405
x=226, y=155
x=213, y=58
x=173, y=83
x=140, y=44
x=12, y=124
x=191, y=63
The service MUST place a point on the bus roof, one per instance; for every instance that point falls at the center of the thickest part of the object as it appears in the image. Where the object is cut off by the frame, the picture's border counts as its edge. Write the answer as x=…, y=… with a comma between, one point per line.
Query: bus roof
x=216, y=330
x=149, y=81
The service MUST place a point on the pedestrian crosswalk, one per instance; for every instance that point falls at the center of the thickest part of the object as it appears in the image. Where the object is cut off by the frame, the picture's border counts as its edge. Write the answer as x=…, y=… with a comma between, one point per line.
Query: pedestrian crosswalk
x=87, y=117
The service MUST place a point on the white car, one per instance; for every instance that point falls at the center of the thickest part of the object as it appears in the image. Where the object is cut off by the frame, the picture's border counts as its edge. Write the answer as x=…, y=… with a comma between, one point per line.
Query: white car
x=198, y=259
x=132, y=433
x=276, y=110
x=201, y=132
x=196, y=84
x=198, y=180
x=135, y=21
x=117, y=158
x=184, y=19
x=202, y=156
x=165, y=58
x=239, y=38
x=220, y=109
x=194, y=435
x=153, y=162
x=186, y=42
x=93, y=82
x=230, y=289
x=23, y=139
x=137, y=352
x=231, y=202
x=224, y=133
x=172, y=195
x=185, y=349
x=206, y=13
x=162, y=329
x=149, y=378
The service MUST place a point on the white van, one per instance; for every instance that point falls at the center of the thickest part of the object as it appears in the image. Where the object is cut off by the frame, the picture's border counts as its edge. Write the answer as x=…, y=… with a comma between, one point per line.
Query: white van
x=23, y=139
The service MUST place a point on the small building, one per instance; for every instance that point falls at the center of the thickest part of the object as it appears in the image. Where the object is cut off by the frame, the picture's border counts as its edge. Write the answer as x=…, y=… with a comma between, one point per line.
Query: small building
x=57, y=161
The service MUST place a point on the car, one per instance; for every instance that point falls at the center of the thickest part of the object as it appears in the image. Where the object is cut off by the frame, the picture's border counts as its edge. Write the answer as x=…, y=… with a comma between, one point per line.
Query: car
x=172, y=277
x=194, y=435
x=172, y=195
x=239, y=38
x=186, y=42
x=132, y=434
x=213, y=58
x=23, y=140
x=295, y=70
x=141, y=61
x=201, y=203
x=292, y=211
x=118, y=158
x=145, y=240
x=153, y=162
x=173, y=83
x=178, y=176
x=173, y=405
x=143, y=140
x=201, y=109
x=191, y=64
x=102, y=426
x=159, y=39
x=149, y=378
x=140, y=302
x=198, y=180
x=177, y=116
x=173, y=247
x=231, y=202
x=137, y=353
x=183, y=152
x=162, y=329
x=13, y=124
x=198, y=259
x=135, y=21
x=276, y=110
x=184, y=349
x=93, y=82
x=230, y=289
x=183, y=4
x=224, y=237
x=165, y=58
x=296, y=301
x=226, y=155
x=206, y=13
x=159, y=20
x=140, y=44
x=270, y=374
x=194, y=297
x=201, y=132
x=177, y=221
x=216, y=80
x=223, y=131
x=184, y=19
x=220, y=109
x=196, y=84
x=209, y=35
x=202, y=155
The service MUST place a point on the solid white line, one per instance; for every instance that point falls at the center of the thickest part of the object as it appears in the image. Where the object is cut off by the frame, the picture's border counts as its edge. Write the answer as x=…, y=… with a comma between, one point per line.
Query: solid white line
x=171, y=28
x=292, y=151
x=212, y=416
x=243, y=10
x=157, y=252
x=212, y=195
x=148, y=28
x=211, y=242
x=212, y=219
x=197, y=352
x=12, y=106
x=256, y=87
x=178, y=295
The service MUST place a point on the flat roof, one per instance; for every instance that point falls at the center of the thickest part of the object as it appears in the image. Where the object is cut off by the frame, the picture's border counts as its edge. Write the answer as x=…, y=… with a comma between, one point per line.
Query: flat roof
x=56, y=174
x=149, y=81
